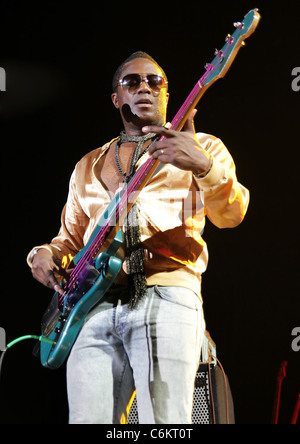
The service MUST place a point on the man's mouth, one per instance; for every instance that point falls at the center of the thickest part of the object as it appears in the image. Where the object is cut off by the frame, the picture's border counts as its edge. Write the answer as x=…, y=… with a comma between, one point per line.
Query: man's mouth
x=144, y=102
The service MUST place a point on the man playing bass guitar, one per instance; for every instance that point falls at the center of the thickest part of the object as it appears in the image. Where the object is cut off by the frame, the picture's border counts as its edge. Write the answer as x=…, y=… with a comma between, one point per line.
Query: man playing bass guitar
x=146, y=333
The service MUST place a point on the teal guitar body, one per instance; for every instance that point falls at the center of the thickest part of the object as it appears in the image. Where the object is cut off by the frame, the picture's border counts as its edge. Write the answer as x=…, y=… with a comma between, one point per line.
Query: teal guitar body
x=91, y=280
x=96, y=268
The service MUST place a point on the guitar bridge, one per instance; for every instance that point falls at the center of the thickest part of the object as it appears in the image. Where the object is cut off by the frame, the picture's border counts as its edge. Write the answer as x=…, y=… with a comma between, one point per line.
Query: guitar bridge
x=51, y=316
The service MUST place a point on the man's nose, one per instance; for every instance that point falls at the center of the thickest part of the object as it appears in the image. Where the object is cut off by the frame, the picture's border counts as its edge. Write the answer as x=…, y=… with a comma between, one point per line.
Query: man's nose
x=144, y=87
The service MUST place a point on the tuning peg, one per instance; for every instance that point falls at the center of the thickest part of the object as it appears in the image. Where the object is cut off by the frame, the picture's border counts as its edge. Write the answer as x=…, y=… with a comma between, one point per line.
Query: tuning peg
x=238, y=25
x=229, y=39
x=218, y=53
x=208, y=66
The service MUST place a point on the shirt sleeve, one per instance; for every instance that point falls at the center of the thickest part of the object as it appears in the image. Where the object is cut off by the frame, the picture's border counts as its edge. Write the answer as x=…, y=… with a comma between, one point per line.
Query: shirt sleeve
x=74, y=221
x=225, y=199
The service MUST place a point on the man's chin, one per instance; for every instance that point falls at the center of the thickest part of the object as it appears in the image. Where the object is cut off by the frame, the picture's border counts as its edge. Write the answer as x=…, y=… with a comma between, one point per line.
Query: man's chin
x=141, y=117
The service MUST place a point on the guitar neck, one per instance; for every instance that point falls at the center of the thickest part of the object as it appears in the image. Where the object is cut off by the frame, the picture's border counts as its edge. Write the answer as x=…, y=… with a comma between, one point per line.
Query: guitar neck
x=129, y=194
x=146, y=171
x=214, y=71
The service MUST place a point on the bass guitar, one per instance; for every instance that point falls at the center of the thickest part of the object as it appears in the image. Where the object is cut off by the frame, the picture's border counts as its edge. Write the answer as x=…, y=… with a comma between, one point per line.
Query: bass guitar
x=95, y=266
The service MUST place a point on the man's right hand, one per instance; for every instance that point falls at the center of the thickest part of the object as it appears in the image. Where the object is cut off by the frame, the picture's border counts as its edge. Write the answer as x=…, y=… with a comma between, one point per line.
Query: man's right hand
x=44, y=269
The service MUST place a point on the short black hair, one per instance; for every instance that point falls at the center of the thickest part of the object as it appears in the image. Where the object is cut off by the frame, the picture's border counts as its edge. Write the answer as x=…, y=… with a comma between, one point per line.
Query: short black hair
x=135, y=55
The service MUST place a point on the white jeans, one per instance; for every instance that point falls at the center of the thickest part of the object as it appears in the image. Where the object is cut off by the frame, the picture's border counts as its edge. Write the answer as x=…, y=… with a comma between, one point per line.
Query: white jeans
x=154, y=348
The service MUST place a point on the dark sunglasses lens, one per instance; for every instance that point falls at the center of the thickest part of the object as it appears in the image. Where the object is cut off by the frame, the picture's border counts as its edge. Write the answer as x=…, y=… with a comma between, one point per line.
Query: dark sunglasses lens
x=156, y=82
x=132, y=81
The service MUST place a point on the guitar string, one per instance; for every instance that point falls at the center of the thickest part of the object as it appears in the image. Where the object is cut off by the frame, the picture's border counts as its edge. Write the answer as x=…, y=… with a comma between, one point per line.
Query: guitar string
x=143, y=171
x=147, y=166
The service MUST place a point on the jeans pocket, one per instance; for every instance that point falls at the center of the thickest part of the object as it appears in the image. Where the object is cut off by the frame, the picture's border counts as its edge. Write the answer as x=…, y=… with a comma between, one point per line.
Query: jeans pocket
x=179, y=295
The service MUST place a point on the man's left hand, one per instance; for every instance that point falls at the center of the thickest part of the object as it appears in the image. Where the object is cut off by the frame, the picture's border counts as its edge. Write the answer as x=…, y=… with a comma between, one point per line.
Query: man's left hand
x=181, y=149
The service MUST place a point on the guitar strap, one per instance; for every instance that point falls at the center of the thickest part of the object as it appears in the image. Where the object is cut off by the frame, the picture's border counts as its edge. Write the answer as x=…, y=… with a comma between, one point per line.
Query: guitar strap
x=134, y=252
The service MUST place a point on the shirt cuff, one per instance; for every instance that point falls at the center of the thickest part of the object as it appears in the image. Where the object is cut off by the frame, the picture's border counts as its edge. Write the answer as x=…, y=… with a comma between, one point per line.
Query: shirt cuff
x=216, y=176
x=45, y=247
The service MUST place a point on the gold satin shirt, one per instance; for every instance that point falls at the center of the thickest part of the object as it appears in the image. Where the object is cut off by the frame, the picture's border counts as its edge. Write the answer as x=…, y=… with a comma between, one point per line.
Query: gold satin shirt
x=172, y=210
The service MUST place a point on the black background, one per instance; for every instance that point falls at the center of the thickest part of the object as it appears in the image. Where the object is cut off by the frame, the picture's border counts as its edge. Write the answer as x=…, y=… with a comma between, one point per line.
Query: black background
x=59, y=59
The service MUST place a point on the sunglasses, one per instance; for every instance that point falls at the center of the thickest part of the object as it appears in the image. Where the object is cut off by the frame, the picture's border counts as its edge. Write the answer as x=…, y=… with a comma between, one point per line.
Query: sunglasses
x=133, y=81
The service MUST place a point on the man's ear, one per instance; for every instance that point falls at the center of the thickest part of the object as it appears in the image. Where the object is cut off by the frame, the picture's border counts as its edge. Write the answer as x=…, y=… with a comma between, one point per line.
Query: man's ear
x=167, y=97
x=115, y=100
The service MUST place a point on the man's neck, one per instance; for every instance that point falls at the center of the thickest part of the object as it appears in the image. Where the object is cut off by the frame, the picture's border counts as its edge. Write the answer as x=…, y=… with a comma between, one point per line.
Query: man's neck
x=135, y=129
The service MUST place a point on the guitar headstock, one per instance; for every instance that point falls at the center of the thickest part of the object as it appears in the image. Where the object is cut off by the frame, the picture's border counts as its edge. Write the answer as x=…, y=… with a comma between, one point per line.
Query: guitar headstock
x=224, y=57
